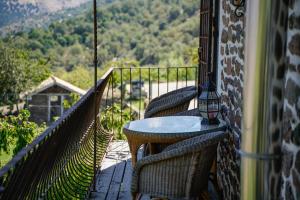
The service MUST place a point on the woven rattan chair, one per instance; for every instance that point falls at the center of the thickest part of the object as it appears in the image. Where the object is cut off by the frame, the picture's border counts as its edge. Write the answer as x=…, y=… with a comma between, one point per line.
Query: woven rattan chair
x=180, y=171
x=171, y=102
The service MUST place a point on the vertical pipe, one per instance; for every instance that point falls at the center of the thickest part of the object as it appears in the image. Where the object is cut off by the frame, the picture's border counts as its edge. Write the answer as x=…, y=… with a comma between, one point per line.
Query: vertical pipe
x=167, y=79
x=158, y=81
x=130, y=91
x=122, y=92
x=198, y=87
x=140, y=94
x=257, y=150
x=198, y=83
x=185, y=76
x=176, y=78
x=199, y=55
x=112, y=101
x=95, y=91
x=215, y=41
x=149, y=85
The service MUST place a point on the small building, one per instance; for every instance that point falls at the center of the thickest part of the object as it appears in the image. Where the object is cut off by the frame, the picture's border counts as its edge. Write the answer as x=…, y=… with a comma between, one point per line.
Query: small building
x=46, y=102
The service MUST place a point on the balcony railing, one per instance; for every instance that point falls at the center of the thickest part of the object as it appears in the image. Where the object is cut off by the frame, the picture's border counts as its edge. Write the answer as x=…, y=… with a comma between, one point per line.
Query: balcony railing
x=59, y=164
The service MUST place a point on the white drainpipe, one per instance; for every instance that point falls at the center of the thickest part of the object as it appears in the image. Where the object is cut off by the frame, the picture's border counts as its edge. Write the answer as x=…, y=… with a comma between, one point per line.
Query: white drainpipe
x=256, y=152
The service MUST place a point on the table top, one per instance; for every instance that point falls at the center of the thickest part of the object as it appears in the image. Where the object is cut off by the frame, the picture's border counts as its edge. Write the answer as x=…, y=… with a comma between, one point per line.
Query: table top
x=172, y=125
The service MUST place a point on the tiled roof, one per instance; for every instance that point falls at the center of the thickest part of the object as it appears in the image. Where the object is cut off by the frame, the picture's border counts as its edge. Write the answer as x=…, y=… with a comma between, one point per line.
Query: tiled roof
x=52, y=80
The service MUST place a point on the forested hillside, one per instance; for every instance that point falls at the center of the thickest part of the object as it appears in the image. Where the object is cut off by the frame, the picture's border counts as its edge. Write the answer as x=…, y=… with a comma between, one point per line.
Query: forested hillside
x=19, y=10
x=12, y=10
x=156, y=32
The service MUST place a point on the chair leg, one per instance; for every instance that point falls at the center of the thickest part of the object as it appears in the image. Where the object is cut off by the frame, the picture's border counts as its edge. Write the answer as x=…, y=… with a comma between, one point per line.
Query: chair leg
x=146, y=151
x=204, y=195
x=136, y=196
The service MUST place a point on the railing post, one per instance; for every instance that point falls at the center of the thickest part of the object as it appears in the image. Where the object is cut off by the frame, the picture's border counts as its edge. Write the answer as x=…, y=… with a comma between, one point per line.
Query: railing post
x=167, y=78
x=122, y=93
x=140, y=95
x=95, y=92
x=130, y=90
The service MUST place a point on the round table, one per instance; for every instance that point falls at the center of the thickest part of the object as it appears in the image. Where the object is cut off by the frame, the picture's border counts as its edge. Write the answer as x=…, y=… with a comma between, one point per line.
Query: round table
x=167, y=130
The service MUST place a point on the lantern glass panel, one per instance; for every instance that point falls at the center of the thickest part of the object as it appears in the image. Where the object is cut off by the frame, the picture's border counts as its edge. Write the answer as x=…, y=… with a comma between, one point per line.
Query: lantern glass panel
x=209, y=104
x=213, y=108
x=202, y=101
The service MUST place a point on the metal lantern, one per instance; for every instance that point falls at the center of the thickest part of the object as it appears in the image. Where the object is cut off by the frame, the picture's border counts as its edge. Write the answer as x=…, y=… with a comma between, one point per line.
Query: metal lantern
x=209, y=103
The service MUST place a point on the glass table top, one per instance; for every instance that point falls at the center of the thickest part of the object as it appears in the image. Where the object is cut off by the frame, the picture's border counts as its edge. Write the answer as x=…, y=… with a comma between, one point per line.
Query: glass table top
x=172, y=124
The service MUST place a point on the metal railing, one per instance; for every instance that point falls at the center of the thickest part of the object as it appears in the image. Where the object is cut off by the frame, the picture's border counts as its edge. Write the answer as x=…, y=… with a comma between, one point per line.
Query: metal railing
x=141, y=84
x=59, y=164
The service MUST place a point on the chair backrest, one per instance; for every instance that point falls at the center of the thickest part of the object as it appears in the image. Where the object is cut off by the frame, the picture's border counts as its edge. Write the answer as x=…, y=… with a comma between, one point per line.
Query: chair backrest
x=168, y=94
x=170, y=105
x=198, y=143
x=204, y=150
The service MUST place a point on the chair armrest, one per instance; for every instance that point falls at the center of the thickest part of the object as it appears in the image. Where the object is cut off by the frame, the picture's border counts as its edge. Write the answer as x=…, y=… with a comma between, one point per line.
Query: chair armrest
x=197, y=139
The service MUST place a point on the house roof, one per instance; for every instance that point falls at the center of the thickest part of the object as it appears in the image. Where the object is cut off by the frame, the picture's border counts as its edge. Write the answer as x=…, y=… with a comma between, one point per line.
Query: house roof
x=52, y=80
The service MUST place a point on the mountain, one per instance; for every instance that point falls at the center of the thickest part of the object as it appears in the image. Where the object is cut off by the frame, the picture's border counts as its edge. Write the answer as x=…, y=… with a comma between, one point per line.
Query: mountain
x=17, y=10
x=153, y=32
x=53, y=5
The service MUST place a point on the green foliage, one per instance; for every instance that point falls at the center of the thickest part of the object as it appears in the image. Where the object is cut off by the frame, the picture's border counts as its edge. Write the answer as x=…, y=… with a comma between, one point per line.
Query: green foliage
x=17, y=131
x=122, y=63
x=68, y=103
x=80, y=76
x=111, y=120
x=19, y=72
x=152, y=32
x=192, y=55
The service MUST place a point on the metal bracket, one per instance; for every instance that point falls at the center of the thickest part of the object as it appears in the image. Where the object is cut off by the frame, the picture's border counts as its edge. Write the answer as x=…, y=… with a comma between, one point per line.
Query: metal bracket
x=259, y=156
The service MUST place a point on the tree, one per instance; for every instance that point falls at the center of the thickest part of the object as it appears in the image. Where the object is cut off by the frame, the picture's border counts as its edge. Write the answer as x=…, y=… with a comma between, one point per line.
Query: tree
x=17, y=131
x=68, y=103
x=80, y=76
x=174, y=13
x=112, y=121
x=19, y=73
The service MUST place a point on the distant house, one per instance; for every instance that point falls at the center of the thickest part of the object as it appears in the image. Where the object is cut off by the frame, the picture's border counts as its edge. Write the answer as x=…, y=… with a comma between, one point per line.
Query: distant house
x=45, y=103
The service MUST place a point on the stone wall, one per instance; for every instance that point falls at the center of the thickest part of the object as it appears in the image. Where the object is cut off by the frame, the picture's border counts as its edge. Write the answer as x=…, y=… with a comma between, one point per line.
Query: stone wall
x=277, y=63
x=291, y=120
x=230, y=87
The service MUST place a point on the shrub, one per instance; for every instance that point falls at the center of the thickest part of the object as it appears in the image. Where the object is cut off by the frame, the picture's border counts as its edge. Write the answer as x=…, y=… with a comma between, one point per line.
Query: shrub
x=17, y=131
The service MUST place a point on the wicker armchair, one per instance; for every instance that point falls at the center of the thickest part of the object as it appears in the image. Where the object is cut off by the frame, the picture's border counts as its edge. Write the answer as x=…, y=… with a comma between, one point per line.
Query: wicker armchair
x=171, y=102
x=180, y=171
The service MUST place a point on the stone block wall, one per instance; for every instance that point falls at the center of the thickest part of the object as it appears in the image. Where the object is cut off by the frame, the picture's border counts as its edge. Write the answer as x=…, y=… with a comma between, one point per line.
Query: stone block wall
x=230, y=87
x=291, y=120
x=285, y=128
